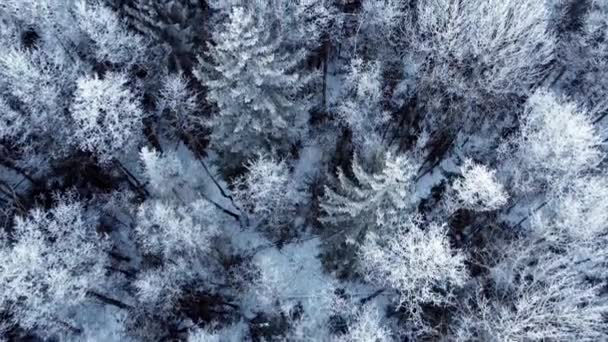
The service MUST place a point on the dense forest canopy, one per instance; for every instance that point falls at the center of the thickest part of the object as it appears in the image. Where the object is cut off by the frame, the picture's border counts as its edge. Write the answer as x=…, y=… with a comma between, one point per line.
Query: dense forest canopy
x=303, y=170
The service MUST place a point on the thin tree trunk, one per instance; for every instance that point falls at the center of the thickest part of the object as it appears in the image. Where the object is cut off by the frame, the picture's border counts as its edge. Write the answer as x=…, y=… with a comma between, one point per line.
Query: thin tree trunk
x=133, y=181
x=225, y=195
x=326, y=52
x=19, y=170
x=228, y=212
x=108, y=300
x=533, y=212
x=371, y=296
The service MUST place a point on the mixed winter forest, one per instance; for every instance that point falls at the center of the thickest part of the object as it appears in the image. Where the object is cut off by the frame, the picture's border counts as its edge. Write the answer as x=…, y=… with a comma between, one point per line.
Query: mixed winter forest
x=303, y=170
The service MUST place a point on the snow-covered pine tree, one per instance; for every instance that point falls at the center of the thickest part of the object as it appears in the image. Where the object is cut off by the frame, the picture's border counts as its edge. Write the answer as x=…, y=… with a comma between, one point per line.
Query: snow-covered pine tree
x=34, y=85
x=53, y=260
x=107, y=116
x=177, y=26
x=416, y=261
x=302, y=22
x=365, y=204
x=478, y=189
x=270, y=194
x=556, y=141
x=371, y=198
x=111, y=41
x=252, y=79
